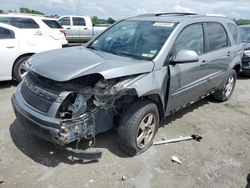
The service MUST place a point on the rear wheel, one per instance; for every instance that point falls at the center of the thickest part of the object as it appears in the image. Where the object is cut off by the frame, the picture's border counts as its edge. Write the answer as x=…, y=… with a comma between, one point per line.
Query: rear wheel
x=138, y=127
x=20, y=68
x=225, y=93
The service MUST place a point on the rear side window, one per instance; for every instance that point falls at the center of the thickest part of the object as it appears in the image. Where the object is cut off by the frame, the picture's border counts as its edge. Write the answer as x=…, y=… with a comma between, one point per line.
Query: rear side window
x=191, y=38
x=78, y=21
x=23, y=23
x=64, y=21
x=6, y=34
x=235, y=33
x=217, y=36
x=52, y=24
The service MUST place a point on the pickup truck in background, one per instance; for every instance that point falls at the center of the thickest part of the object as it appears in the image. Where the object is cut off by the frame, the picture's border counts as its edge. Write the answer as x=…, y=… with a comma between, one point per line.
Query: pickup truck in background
x=80, y=28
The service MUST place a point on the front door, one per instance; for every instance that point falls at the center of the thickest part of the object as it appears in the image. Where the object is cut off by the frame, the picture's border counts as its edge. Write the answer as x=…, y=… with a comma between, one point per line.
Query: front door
x=188, y=81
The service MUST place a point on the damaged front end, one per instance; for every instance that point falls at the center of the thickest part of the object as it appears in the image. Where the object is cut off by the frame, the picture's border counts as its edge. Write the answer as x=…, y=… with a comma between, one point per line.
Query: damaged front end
x=75, y=110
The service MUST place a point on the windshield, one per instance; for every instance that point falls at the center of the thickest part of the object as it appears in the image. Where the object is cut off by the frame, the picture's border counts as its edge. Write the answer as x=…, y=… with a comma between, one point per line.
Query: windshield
x=245, y=34
x=136, y=39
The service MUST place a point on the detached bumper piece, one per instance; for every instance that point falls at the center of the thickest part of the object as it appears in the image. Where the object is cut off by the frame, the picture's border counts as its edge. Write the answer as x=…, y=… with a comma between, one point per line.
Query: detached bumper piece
x=80, y=154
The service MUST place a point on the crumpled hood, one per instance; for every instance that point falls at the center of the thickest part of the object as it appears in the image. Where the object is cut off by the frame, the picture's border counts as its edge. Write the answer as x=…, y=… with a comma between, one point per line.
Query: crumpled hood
x=69, y=63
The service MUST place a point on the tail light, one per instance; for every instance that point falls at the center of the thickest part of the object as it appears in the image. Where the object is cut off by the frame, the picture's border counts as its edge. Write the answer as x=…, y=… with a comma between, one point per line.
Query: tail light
x=63, y=31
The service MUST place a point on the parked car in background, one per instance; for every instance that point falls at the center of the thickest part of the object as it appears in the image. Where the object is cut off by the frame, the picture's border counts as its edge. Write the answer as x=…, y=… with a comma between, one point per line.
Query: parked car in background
x=245, y=34
x=80, y=28
x=130, y=77
x=36, y=25
x=16, y=46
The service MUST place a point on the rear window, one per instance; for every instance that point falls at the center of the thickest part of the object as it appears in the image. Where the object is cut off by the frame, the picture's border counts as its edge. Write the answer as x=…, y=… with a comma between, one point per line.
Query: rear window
x=23, y=23
x=235, y=33
x=79, y=21
x=64, y=21
x=6, y=34
x=217, y=36
x=52, y=24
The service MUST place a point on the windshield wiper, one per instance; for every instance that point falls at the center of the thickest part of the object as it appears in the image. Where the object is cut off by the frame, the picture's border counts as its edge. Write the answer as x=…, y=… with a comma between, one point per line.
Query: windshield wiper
x=93, y=48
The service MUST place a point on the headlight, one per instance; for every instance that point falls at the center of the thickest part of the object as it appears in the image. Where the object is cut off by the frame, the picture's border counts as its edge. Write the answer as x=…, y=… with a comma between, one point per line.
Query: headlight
x=247, y=52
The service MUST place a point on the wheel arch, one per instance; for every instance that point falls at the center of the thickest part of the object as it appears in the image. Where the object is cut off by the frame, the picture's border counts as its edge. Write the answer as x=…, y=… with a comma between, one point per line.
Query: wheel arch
x=19, y=57
x=157, y=100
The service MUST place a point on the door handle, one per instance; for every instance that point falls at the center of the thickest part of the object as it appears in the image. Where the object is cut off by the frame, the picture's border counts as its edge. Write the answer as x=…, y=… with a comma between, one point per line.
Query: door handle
x=204, y=62
x=10, y=47
x=229, y=53
x=68, y=28
x=85, y=28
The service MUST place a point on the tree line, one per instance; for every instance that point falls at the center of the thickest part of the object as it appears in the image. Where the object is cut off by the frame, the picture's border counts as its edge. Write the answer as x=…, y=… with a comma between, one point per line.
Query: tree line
x=95, y=19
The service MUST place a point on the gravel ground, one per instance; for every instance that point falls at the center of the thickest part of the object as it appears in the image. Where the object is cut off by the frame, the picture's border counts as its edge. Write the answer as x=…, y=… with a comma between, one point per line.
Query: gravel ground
x=222, y=159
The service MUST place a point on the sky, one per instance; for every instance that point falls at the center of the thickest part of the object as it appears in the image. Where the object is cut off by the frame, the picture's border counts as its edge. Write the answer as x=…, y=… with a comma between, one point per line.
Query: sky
x=119, y=9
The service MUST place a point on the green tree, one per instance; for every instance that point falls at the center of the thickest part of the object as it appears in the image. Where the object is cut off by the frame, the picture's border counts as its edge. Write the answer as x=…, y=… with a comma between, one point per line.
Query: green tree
x=1, y=11
x=242, y=21
x=111, y=21
x=28, y=11
x=95, y=20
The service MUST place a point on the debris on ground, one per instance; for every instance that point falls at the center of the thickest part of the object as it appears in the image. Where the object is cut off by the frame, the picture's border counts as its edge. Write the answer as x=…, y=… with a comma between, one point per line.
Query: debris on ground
x=1, y=179
x=192, y=137
x=124, y=178
x=175, y=159
x=91, y=181
x=51, y=152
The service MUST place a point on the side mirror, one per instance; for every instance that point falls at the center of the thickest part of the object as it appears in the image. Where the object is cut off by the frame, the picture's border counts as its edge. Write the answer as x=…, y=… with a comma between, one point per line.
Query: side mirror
x=185, y=56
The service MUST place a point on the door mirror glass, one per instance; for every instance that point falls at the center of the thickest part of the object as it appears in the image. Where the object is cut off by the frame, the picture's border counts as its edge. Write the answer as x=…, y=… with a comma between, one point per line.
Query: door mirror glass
x=186, y=56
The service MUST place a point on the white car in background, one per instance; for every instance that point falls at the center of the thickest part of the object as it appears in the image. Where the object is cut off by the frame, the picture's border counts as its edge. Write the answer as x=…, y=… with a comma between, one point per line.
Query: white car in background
x=36, y=25
x=16, y=46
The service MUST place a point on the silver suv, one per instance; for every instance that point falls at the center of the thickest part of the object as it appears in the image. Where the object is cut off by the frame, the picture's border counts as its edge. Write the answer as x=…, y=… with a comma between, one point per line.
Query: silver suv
x=130, y=78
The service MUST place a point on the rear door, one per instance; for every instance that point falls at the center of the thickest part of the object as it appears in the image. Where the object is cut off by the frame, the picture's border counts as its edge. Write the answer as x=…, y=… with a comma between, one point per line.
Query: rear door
x=66, y=23
x=219, y=53
x=188, y=81
x=8, y=52
x=82, y=30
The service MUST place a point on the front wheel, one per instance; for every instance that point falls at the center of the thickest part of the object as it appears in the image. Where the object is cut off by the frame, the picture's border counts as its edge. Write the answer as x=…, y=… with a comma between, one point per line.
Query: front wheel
x=225, y=93
x=20, y=68
x=138, y=127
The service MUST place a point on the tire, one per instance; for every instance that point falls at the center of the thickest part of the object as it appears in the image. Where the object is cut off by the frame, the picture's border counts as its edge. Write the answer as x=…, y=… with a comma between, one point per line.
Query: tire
x=19, y=69
x=133, y=137
x=225, y=93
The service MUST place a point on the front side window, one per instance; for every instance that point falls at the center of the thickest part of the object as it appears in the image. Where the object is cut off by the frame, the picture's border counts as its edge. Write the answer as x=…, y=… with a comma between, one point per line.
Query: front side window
x=217, y=36
x=245, y=34
x=6, y=34
x=136, y=39
x=191, y=38
x=79, y=21
x=64, y=21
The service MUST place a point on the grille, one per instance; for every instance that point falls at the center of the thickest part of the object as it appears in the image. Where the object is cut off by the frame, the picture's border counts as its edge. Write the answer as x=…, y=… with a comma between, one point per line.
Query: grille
x=35, y=100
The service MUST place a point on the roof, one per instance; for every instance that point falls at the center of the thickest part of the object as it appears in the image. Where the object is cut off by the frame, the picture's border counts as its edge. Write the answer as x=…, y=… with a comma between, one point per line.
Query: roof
x=174, y=16
x=25, y=15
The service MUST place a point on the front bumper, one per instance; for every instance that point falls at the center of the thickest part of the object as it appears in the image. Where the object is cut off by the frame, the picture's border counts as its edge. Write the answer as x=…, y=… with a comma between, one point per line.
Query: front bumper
x=42, y=126
x=246, y=65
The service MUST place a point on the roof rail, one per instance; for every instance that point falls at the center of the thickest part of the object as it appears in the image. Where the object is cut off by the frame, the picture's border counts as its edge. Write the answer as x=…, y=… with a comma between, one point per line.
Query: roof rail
x=168, y=13
x=176, y=13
